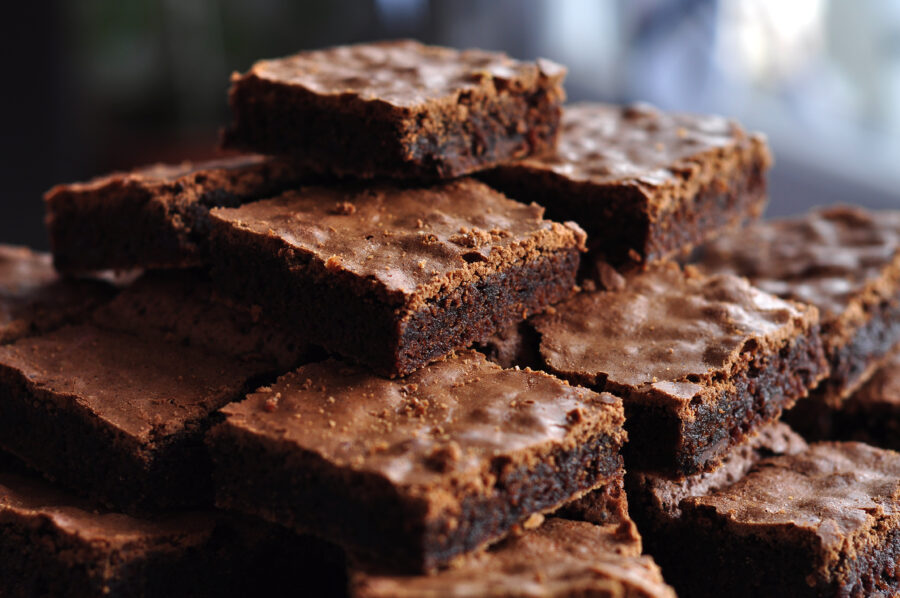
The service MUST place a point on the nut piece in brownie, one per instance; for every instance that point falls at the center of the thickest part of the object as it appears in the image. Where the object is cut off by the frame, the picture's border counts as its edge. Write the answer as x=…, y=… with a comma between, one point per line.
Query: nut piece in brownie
x=846, y=262
x=396, y=109
x=823, y=522
x=700, y=362
x=412, y=473
x=33, y=298
x=157, y=216
x=644, y=184
x=559, y=559
x=117, y=410
x=395, y=277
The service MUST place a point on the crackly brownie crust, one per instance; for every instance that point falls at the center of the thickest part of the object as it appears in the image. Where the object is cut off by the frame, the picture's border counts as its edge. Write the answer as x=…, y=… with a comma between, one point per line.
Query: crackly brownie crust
x=396, y=109
x=823, y=522
x=156, y=216
x=34, y=299
x=413, y=472
x=845, y=261
x=395, y=277
x=699, y=361
x=644, y=184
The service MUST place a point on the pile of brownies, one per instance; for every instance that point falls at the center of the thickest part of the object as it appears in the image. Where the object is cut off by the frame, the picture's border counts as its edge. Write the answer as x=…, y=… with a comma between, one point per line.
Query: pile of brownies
x=442, y=335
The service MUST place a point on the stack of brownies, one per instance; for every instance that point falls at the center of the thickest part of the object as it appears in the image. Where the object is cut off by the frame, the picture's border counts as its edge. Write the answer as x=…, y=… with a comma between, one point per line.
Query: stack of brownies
x=411, y=346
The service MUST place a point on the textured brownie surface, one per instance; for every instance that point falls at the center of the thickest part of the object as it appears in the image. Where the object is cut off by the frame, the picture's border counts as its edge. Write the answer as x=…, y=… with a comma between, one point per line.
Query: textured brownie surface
x=395, y=277
x=397, y=109
x=823, y=522
x=843, y=260
x=414, y=471
x=33, y=298
x=157, y=216
x=699, y=361
x=560, y=558
x=644, y=184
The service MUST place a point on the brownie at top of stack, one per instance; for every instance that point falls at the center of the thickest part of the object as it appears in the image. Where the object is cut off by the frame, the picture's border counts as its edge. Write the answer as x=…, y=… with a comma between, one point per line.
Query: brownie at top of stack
x=34, y=299
x=156, y=216
x=700, y=362
x=411, y=473
x=643, y=183
x=397, y=109
x=395, y=277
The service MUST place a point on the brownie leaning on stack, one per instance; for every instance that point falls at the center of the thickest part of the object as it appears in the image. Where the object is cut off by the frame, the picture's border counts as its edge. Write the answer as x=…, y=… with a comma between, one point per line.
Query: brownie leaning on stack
x=293, y=389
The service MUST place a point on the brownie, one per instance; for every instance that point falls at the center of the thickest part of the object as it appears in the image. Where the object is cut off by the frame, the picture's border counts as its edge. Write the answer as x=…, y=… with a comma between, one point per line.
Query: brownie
x=117, y=410
x=33, y=298
x=156, y=216
x=396, y=109
x=700, y=362
x=843, y=260
x=823, y=522
x=558, y=559
x=56, y=544
x=644, y=184
x=394, y=277
x=411, y=473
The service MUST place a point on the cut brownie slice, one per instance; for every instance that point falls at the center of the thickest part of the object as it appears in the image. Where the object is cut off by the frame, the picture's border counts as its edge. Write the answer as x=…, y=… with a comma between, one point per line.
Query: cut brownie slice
x=395, y=277
x=414, y=472
x=559, y=559
x=845, y=261
x=397, y=109
x=824, y=522
x=117, y=409
x=643, y=183
x=33, y=298
x=700, y=362
x=157, y=216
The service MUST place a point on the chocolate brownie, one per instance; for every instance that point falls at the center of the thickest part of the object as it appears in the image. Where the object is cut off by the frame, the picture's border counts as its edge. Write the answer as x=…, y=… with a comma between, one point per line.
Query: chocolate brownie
x=413, y=472
x=396, y=109
x=843, y=260
x=395, y=277
x=700, y=362
x=156, y=216
x=644, y=184
x=559, y=559
x=117, y=409
x=823, y=522
x=33, y=298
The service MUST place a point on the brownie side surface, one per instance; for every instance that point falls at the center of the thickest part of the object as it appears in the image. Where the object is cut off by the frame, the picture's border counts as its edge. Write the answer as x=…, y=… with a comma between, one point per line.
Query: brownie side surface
x=405, y=275
x=699, y=361
x=396, y=109
x=644, y=184
x=414, y=471
x=156, y=216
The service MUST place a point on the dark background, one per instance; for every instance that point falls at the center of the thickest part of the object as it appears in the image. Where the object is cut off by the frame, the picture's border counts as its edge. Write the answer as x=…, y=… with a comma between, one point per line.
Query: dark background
x=92, y=86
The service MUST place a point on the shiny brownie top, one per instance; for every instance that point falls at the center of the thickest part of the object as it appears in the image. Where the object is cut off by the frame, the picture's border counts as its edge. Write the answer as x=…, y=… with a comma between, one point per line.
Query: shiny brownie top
x=666, y=329
x=404, y=74
x=883, y=386
x=604, y=143
x=403, y=242
x=449, y=420
x=832, y=490
x=826, y=257
x=559, y=558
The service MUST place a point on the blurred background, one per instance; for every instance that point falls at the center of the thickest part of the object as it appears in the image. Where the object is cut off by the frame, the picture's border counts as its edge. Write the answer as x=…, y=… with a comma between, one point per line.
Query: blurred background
x=94, y=86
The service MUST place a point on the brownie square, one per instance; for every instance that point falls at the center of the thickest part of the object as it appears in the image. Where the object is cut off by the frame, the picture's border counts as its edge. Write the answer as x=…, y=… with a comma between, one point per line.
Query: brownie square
x=843, y=260
x=34, y=299
x=644, y=184
x=700, y=362
x=394, y=277
x=824, y=522
x=156, y=216
x=411, y=473
x=116, y=409
x=396, y=109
